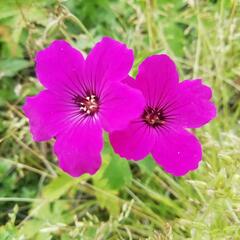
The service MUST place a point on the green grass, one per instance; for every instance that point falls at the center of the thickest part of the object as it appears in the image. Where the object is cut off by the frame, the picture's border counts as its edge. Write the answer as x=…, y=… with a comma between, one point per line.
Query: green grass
x=136, y=201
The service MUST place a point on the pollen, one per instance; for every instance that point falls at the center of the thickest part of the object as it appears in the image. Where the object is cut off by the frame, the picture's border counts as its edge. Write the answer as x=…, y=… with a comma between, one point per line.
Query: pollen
x=154, y=117
x=88, y=105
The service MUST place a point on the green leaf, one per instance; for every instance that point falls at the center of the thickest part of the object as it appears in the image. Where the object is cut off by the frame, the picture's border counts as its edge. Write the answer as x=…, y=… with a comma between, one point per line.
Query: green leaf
x=117, y=173
x=9, y=67
x=105, y=195
x=6, y=93
x=175, y=36
x=48, y=209
x=31, y=230
x=54, y=190
x=59, y=186
x=147, y=165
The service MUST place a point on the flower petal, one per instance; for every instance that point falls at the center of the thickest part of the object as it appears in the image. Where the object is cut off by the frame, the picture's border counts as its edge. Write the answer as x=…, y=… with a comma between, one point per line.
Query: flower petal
x=134, y=142
x=109, y=60
x=157, y=79
x=130, y=81
x=79, y=148
x=46, y=113
x=60, y=66
x=178, y=152
x=119, y=105
x=193, y=107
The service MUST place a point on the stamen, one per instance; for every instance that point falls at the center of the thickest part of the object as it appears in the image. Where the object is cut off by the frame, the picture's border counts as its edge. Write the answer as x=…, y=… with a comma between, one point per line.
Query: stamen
x=154, y=117
x=88, y=105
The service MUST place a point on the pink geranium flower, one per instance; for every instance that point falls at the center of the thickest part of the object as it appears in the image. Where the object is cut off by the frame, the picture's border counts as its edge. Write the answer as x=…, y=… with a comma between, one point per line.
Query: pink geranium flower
x=171, y=107
x=81, y=98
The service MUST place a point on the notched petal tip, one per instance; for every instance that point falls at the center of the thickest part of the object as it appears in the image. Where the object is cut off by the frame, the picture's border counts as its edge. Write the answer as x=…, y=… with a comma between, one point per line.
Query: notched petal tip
x=79, y=149
x=78, y=171
x=198, y=87
x=46, y=113
x=194, y=106
x=57, y=63
x=110, y=41
x=33, y=126
x=182, y=172
x=158, y=60
x=157, y=76
x=56, y=45
x=109, y=60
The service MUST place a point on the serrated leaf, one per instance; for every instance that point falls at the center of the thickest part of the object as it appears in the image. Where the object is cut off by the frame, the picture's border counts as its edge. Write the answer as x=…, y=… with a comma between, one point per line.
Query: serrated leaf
x=117, y=173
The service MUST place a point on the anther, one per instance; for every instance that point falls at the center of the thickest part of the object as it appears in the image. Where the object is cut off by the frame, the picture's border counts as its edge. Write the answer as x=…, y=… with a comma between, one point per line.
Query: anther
x=154, y=117
x=88, y=105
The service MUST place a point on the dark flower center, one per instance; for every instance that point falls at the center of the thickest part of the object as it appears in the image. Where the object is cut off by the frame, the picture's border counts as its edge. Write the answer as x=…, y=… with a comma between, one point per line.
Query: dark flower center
x=88, y=105
x=154, y=117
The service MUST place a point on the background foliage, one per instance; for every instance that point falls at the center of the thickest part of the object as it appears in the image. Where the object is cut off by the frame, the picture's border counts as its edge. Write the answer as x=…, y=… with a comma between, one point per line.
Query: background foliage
x=123, y=201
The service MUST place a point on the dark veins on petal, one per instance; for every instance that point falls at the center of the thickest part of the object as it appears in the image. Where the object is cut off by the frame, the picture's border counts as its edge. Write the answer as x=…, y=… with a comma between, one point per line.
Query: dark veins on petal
x=154, y=117
x=88, y=105
x=157, y=117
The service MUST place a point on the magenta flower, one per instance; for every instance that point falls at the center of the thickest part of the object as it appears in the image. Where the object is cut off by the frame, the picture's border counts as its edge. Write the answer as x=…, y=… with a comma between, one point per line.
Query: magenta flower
x=82, y=97
x=170, y=108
